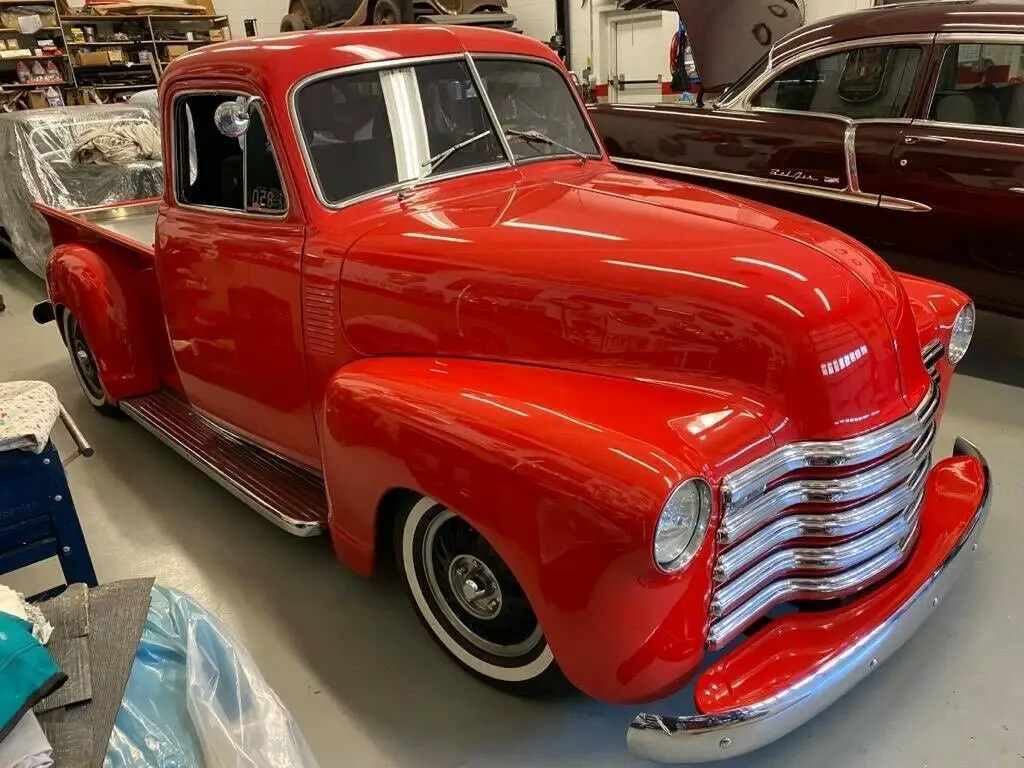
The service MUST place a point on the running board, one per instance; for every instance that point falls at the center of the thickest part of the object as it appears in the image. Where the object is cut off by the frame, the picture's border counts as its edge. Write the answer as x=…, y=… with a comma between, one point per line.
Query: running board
x=287, y=495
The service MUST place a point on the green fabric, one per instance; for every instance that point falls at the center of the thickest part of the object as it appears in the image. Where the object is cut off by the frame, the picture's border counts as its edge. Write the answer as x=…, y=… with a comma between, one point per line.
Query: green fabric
x=27, y=673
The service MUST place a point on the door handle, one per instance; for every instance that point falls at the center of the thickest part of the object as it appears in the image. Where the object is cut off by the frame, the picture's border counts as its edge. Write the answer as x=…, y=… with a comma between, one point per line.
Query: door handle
x=924, y=140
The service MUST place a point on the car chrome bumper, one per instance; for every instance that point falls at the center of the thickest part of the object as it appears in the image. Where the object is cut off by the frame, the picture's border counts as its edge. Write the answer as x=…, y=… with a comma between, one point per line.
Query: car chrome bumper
x=709, y=737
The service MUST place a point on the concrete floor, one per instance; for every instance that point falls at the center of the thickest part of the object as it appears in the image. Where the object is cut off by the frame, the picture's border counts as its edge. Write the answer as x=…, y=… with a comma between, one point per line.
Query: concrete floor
x=370, y=689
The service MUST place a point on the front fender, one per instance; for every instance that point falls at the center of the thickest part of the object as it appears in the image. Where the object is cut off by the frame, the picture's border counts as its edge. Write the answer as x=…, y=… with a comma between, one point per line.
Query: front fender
x=565, y=474
x=104, y=290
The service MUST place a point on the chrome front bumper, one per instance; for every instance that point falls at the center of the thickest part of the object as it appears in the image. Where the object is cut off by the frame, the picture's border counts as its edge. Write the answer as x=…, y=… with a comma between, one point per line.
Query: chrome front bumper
x=707, y=738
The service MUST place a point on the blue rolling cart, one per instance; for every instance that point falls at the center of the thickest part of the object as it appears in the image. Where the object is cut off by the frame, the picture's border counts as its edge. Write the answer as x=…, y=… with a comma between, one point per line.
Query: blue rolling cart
x=38, y=519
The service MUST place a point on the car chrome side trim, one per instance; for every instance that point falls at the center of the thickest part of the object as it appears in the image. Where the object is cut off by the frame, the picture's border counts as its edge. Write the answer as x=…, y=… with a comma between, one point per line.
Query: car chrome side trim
x=708, y=738
x=845, y=196
x=753, y=181
x=990, y=38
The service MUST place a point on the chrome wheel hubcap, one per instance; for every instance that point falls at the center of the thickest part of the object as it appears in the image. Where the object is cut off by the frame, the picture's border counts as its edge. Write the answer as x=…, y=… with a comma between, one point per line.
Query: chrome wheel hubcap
x=82, y=357
x=475, y=587
x=474, y=590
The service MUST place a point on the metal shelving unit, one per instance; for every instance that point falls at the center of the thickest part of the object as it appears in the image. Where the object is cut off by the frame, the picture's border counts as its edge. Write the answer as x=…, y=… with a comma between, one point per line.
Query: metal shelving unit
x=146, y=33
x=28, y=41
x=151, y=33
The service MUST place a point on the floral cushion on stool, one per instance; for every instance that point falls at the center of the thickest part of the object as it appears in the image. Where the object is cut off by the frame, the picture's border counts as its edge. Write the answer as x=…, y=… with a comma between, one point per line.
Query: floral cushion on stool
x=28, y=411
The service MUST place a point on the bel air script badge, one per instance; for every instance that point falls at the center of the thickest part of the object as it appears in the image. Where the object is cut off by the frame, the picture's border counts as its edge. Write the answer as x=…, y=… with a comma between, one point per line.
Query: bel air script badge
x=790, y=174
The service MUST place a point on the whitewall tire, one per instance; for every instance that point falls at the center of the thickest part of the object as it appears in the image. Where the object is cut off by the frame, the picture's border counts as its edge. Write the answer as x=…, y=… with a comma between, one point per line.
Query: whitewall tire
x=472, y=605
x=86, y=369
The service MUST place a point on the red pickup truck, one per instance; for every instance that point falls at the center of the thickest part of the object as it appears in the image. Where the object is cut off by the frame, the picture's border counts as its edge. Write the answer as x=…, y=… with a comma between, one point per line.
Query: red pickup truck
x=396, y=291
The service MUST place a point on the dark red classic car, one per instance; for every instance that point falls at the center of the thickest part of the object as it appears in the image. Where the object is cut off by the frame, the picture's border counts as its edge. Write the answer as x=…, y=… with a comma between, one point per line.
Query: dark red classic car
x=902, y=125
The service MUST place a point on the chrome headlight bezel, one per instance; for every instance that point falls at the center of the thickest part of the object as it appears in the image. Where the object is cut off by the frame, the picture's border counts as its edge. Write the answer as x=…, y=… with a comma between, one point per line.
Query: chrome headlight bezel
x=961, y=333
x=688, y=510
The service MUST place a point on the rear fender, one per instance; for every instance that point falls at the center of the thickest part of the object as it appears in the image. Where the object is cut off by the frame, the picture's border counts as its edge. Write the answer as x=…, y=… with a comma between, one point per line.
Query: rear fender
x=565, y=474
x=105, y=291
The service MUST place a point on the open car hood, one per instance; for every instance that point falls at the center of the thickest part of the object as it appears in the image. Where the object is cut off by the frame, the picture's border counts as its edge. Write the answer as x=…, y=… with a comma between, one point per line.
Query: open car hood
x=730, y=36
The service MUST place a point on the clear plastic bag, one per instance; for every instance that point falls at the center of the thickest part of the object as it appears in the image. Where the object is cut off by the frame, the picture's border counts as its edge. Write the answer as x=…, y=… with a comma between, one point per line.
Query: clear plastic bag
x=195, y=699
x=240, y=721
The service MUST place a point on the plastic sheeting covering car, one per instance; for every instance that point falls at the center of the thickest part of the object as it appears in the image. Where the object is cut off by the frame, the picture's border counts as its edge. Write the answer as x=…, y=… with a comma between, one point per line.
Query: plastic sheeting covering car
x=195, y=699
x=36, y=166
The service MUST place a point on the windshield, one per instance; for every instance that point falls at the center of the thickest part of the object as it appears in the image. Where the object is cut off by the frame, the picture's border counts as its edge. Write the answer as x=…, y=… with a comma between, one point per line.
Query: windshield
x=374, y=130
x=530, y=97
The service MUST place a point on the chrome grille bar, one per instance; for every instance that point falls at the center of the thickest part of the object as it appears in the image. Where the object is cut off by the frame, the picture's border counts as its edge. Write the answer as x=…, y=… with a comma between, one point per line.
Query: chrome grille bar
x=742, y=485
x=817, y=525
x=740, y=522
x=824, y=559
x=844, y=533
x=800, y=588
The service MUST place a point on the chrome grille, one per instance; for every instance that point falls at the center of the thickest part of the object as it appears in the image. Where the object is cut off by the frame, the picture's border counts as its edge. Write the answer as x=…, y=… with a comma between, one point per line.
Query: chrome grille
x=821, y=520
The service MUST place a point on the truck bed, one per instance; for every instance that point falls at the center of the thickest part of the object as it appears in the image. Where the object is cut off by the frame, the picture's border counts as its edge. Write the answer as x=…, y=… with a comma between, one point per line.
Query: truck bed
x=132, y=225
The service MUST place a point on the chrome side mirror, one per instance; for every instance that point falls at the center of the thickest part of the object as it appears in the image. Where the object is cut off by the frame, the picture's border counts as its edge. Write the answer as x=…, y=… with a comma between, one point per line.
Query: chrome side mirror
x=232, y=117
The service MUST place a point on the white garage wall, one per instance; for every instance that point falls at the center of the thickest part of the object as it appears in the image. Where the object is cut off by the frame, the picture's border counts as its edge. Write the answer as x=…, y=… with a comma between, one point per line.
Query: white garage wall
x=591, y=31
x=535, y=17
x=820, y=9
x=268, y=14
x=591, y=37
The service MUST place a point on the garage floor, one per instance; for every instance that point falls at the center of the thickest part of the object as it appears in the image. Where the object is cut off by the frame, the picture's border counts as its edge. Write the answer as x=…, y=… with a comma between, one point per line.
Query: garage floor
x=370, y=689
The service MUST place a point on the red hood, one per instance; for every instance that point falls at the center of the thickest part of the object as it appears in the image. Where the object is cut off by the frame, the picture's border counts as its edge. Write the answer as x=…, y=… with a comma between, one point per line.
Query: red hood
x=638, y=277
x=729, y=36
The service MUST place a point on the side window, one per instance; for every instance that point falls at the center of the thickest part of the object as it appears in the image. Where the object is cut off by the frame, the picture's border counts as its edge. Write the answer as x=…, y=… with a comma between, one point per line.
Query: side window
x=981, y=85
x=345, y=126
x=264, y=192
x=220, y=172
x=860, y=84
x=453, y=111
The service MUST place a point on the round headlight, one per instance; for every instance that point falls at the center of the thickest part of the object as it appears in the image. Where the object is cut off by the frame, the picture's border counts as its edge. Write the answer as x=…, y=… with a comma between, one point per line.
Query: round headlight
x=960, y=338
x=682, y=524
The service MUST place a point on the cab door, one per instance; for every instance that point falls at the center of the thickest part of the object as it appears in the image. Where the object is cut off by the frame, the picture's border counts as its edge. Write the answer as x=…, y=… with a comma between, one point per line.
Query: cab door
x=229, y=248
x=964, y=160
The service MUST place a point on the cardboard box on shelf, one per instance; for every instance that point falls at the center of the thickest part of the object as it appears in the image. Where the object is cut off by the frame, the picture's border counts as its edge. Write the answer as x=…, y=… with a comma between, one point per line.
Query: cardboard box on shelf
x=174, y=51
x=36, y=99
x=93, y=59
x=116, y=55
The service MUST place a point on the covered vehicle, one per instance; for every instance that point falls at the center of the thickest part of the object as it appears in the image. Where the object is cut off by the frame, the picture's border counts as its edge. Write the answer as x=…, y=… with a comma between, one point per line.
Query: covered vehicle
x=902, y=126
x=396, y=291
x=307, y=14
x=39, y=165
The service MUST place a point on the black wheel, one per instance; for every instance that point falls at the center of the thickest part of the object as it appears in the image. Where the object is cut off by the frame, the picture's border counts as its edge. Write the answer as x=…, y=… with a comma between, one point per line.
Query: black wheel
x=294, y=22
x=392, y=12
x=84, y=363
x=472, y=605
